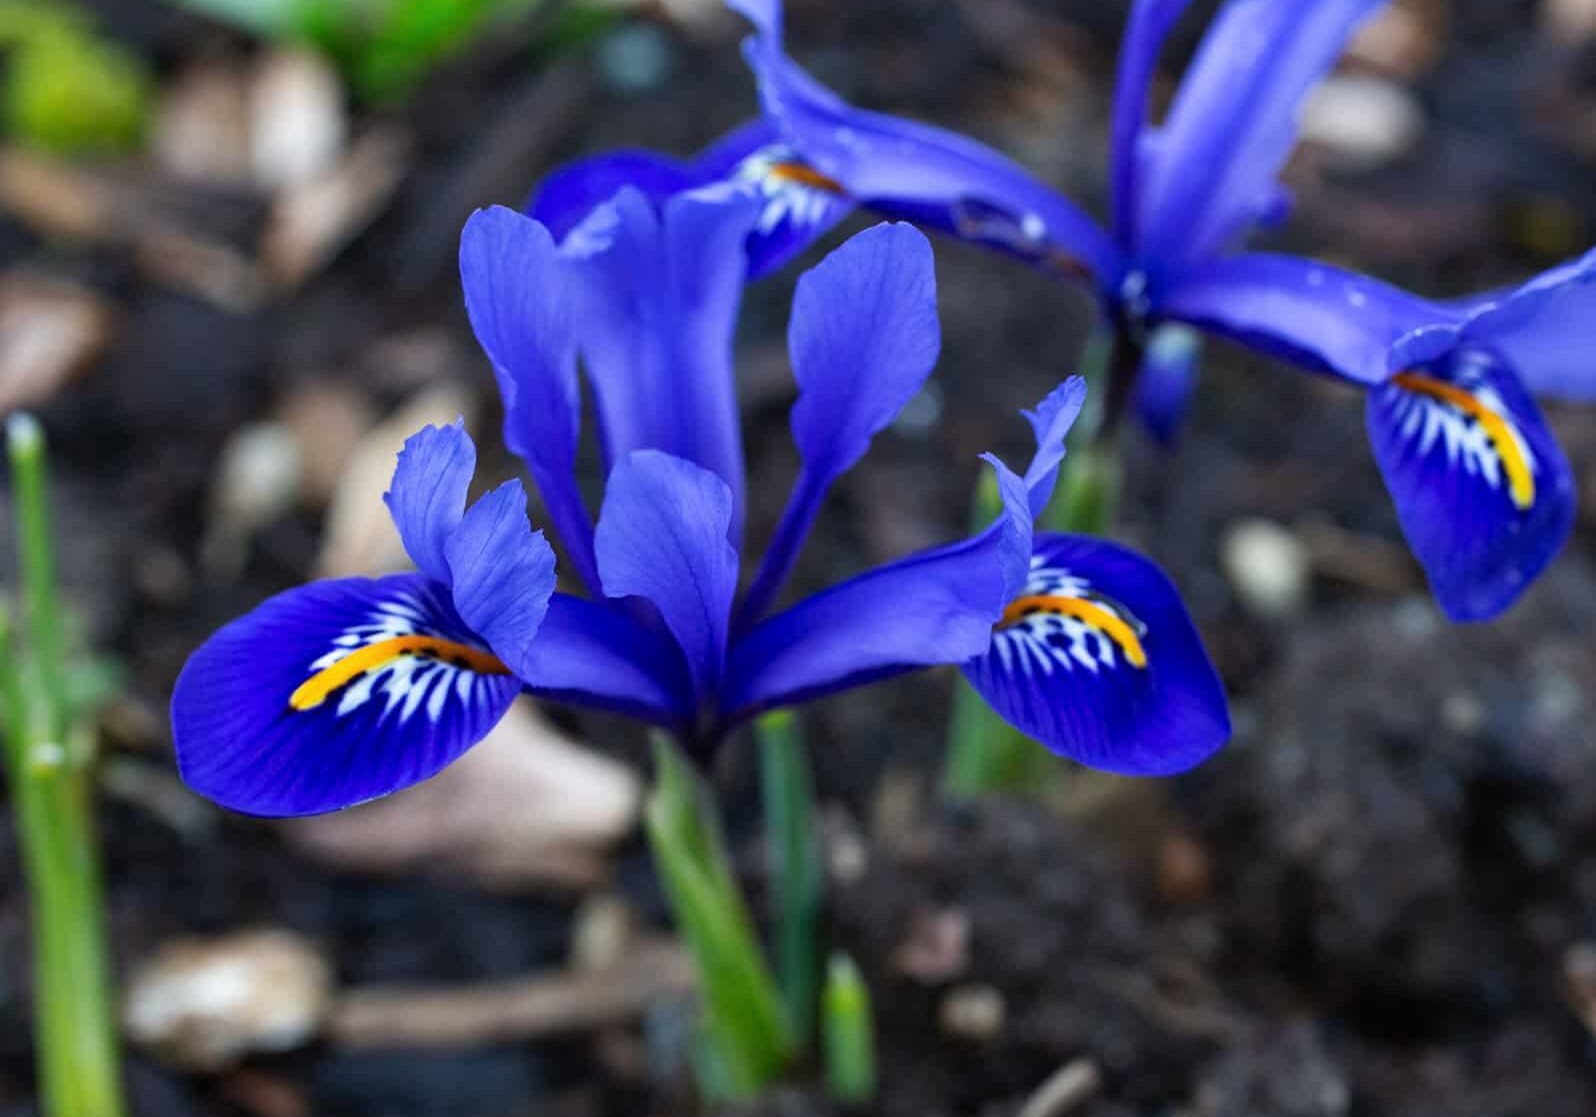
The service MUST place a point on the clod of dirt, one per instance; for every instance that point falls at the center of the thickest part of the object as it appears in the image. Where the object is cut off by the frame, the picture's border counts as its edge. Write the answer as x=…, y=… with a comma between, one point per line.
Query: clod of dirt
x=204, y=1004
x=259, y=478
x=1268, y=567
x=1569, y=21
x=1362, y=121
x=1290, y=1073
x=298, y=120
x=50, y=332
x=201, y=130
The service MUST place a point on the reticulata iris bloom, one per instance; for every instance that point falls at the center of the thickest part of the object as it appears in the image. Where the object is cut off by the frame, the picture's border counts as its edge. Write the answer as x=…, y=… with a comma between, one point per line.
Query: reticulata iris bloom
x=342, y=691
x=1484, y=494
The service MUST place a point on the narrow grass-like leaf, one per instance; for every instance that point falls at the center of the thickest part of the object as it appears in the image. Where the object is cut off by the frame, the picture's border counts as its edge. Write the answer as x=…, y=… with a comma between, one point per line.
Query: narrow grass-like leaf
x=797, y=879
x=848, y=1033
x=743, y=1016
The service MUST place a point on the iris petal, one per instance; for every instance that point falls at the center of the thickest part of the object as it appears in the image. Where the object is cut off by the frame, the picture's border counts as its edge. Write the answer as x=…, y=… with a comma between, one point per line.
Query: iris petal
x=931, y=608
x=1484, y=493
x=1167, y=379
x=659, y=293
x=1098, y=660
x=502, y=573
x=516, y=295
x=428, y=494
x=864, y=336
x=590, y=653
x=1546, y=329
x=1149, y=25
x=924, y=174
x=662, y=537
x=1234, y=121
x=565, y=198
x=1311, y=313
x=332, y=694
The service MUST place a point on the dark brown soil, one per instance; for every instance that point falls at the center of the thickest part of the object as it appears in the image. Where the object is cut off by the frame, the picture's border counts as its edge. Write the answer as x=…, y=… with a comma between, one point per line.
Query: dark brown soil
x=1361, y=909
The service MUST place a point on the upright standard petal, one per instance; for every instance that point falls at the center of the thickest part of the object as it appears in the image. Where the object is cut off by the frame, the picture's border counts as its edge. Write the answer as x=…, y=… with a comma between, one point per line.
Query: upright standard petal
x=335, y=693
x=935, y=607
x=1234, y=121
x=863, y=338
x=502, y=574
x=918, y=172
x=1097, y=659
x=662, y=536
x=516, y=291
x=428, y=494
x=659, y=293
x=1150, y=24
x=1314, y=314
x=1545, y=329
x=1484, y=493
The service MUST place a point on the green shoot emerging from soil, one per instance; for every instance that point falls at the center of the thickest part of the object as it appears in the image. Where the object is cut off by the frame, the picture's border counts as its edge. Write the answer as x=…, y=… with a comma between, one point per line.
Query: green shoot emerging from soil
x=756, y=1026
x=49, y=751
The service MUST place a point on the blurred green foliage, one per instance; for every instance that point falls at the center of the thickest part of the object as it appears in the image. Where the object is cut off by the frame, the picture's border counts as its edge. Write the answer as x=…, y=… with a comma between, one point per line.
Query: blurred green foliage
x=66, y=88
x=384, y=47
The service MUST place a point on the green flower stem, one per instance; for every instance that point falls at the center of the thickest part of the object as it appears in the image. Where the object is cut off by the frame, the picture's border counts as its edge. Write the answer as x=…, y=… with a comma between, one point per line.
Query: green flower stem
x=797, y=879
x=744, y=1025
x=52, y=794
x=850, y=1034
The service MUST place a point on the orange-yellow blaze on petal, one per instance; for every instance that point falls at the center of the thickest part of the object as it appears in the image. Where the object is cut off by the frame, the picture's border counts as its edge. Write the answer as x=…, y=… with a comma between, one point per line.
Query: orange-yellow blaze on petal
x=806, y=176
x=1095, y=615
x=1521, y=480
x=315, y=690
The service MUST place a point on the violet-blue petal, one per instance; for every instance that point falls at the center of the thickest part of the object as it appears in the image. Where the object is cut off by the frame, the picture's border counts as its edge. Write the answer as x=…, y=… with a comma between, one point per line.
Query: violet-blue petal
x=659, y=293
x=931, y=608
x=719, y=160
x=935, y=607
x=518, y=298
x=662, y=536
x=798, y=205
x=1234, y=121
x=1546, y=330
x=502, y=574
x=1051, y=421
x=256, y=734
x=428, y=493
x=565, y=198
x=1484, y=492
x=1099, y=661
x=1317, y=315
x=922, y=173
x=1150, y=24
x=594, y=654
x=863, y=338
x=1167, y=379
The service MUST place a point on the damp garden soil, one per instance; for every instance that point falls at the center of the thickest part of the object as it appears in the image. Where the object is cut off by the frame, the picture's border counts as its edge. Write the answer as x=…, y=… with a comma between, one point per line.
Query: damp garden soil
x=1368, y=906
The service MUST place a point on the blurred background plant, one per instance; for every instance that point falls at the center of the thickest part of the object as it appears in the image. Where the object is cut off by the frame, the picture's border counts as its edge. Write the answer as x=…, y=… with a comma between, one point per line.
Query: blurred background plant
x=386, y=47
x=1379, y=901
x=50, y=692
x=67, y=88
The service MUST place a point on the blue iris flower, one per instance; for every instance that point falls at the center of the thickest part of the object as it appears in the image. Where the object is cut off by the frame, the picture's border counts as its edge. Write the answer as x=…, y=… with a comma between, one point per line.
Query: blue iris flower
x=1484, y=493
x=345, y=690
